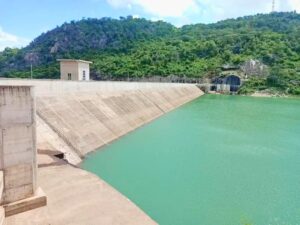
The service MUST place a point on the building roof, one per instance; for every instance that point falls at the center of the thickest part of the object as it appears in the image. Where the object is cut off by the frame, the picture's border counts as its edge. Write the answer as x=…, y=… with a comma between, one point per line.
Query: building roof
x=74, y=60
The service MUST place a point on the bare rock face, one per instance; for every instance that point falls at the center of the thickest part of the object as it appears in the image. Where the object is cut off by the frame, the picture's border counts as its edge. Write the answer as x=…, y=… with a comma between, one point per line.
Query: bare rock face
x=32, y=57
x=255, y=68
x=55, y=47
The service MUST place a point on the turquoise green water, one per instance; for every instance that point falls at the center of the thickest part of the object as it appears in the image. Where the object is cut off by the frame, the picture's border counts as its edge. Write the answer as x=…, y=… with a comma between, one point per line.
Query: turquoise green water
x=219, y=160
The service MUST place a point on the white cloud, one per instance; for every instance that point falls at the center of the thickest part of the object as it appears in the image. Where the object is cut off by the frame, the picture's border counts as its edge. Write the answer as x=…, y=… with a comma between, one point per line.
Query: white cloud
x=159, y=8
x=155, y=19
x=10, y=40
x=214, y=10
x=181, y=12
x=294, y=5
x=136, y=16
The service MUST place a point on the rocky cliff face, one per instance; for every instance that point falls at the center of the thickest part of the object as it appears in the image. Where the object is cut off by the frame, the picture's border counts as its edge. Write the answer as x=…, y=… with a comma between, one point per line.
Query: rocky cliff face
x=255, y=68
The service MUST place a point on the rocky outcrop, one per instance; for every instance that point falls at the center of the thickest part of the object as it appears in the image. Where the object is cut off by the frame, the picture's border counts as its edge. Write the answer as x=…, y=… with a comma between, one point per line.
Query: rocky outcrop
x=254, y=68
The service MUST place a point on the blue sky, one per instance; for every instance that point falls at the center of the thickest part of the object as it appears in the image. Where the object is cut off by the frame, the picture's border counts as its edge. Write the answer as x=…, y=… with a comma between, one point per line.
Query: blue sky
x=23, y=20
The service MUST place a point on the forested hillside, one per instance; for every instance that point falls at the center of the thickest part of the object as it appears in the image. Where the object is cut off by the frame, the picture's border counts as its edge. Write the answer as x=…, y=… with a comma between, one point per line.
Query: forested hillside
x=139, y=48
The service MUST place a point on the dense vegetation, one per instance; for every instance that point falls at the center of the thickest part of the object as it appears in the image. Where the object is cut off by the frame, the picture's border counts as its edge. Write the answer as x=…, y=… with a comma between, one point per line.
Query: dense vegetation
x=131, y=47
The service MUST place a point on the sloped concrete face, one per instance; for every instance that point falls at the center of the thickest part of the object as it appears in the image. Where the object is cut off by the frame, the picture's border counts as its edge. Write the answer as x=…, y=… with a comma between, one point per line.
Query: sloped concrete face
x=87, y=121
x=87, y=115
x=17, y=142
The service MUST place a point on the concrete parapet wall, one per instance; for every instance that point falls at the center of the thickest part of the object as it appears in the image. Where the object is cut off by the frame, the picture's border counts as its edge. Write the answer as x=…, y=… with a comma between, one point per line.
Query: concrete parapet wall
x=54, y=87
x=88, y=115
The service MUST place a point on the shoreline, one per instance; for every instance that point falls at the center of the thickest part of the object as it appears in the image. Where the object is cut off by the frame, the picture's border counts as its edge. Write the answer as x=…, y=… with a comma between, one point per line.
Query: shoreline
x=269, y=95
x=258, y=95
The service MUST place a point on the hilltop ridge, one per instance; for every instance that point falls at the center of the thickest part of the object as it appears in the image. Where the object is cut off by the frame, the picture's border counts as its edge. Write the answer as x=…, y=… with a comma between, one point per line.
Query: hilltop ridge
x=138, y=47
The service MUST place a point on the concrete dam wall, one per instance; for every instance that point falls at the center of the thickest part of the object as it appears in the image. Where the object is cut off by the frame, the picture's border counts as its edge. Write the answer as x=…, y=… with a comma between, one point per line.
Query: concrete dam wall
x=79, y=117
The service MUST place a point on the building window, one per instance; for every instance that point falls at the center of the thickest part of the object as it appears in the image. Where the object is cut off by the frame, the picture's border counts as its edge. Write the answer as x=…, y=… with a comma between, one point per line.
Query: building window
x=83, y=74
x=69, y=76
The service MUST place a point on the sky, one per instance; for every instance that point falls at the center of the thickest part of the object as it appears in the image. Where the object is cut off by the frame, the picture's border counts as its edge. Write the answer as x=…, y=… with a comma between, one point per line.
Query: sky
x=23, y=20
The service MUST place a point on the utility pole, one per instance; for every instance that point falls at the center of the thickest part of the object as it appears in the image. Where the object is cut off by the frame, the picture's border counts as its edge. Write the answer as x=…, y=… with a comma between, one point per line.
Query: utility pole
x=273, y=6
x=30, y=55
x=31, y=71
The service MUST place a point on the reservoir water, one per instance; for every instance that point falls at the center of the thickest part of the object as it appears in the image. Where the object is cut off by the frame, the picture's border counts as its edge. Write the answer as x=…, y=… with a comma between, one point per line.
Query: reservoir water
x=219, y=160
